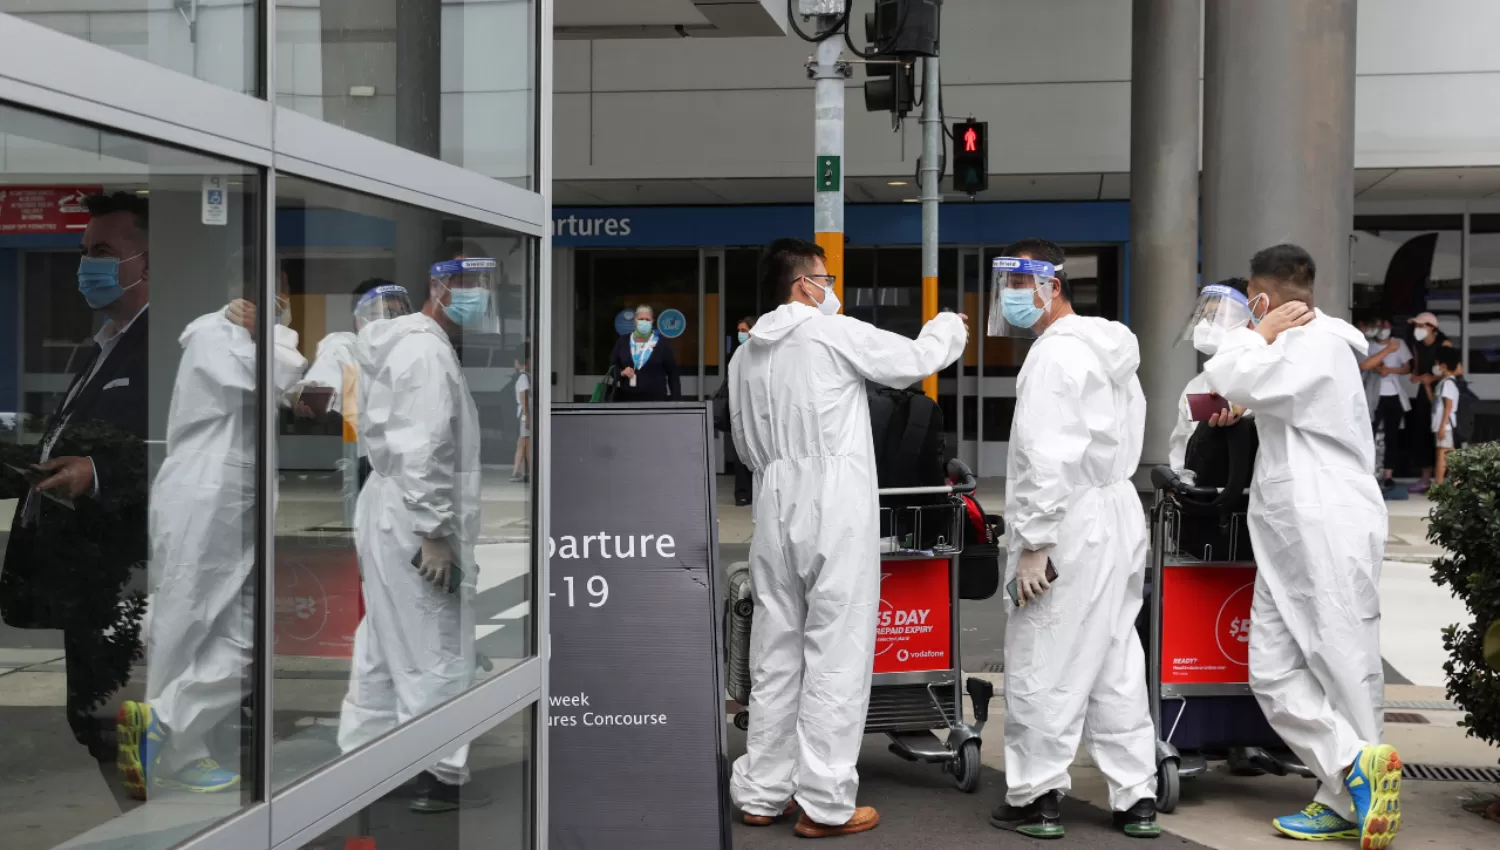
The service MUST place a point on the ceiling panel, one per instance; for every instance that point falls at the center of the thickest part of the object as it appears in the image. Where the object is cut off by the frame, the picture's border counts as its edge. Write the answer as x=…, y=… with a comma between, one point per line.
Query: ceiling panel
x=1115, y=187
x=780, y=190
x=1435, y=184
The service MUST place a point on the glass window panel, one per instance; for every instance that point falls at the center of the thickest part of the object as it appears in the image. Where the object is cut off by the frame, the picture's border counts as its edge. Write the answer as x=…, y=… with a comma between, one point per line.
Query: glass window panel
x=1484, y=295
x=213, y=40
x=495, y=805
x=452, y=79
x=407, y=440
x=128, y=595
x=1405, y=265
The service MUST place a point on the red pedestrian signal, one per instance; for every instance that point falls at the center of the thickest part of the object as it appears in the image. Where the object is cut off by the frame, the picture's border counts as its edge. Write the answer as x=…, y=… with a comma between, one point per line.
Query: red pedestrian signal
x=971, y=153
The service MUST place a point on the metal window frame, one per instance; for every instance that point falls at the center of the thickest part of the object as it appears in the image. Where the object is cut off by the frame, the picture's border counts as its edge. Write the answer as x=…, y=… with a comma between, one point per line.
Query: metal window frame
x=54, y=73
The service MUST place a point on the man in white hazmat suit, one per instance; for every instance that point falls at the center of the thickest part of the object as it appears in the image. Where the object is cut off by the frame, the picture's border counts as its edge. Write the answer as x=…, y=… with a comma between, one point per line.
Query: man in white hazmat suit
x=801, y=421
x=1318, y=525
x=417, y=521
x=200, y=637
x=1073, y=660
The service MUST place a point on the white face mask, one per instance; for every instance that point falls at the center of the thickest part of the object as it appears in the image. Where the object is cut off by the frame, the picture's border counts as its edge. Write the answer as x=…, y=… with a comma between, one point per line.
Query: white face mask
x=1383, y=334
x=830, y=303
x=1206, y=338
x=1420, y=334
x=1437, y=370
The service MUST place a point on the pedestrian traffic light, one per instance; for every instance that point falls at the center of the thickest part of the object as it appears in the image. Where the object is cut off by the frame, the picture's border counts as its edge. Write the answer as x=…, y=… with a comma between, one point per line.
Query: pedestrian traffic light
x=971, y=154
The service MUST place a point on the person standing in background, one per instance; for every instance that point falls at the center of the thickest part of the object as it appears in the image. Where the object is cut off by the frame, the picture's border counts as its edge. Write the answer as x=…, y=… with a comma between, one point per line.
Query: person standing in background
x=1389, y=357
x=1429, y=339
x=521, y=463
x=645, y=363
x=744, y=479
x=82, y=568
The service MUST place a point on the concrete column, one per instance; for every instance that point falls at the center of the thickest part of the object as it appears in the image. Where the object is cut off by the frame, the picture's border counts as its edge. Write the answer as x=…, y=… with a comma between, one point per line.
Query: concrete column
x=1278, y=137
x=1163, y=204
x=419, y=76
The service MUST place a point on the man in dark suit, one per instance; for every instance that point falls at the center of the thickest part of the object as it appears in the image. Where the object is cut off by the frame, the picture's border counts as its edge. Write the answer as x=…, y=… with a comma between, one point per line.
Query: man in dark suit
x=78, y=541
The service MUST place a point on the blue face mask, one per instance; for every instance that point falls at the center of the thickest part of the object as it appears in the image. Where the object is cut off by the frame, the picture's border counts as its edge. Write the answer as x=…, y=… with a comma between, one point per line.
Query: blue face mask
x=99, y=280
x=467, y=307
x=743, y=337
x=1019, y=307
x=642, y=327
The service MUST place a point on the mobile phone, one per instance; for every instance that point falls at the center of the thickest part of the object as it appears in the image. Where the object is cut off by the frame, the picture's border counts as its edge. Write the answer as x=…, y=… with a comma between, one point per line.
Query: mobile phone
x=455, y=572
x=1203, y=406
x=1014, y=588
x=34, y=477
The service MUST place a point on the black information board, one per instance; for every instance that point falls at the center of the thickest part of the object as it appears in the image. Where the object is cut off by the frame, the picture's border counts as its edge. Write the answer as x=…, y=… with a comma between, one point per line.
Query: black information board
x=636, y=705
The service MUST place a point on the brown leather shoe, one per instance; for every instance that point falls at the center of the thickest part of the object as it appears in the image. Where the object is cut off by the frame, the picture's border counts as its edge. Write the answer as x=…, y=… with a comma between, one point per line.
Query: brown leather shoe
x=865, y=819
x=762, y=820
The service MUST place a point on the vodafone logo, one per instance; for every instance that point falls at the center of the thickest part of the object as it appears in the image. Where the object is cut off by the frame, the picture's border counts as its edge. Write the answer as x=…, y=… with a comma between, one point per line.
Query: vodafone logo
x=903, y=655
x=1232, y=626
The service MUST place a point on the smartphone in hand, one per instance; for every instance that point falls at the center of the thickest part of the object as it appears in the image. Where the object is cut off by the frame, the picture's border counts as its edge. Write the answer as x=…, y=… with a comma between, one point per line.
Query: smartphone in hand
x=1015, y=591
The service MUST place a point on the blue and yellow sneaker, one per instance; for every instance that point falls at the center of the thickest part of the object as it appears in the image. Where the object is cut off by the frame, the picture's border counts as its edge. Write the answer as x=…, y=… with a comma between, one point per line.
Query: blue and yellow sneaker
x=1317, y=822
x=1375, y=784
x=204, y=776
x=140, y=738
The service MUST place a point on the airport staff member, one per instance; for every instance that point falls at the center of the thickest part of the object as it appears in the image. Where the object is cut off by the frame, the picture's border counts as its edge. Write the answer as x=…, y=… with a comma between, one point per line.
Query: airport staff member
x=1074, y=666
x=800, y=419
x=1318, y=526
x=79, y=568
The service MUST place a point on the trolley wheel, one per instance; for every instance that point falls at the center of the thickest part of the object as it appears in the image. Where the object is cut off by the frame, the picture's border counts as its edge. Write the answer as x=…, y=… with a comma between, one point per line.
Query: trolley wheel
x=744, y=607
x=1168, y=786
x=742, y=721
x=965, y=767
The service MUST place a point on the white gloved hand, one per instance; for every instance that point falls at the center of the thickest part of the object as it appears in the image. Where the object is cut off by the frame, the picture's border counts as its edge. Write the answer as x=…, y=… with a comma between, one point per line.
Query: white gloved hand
x=1031, y=575
x=435, y=562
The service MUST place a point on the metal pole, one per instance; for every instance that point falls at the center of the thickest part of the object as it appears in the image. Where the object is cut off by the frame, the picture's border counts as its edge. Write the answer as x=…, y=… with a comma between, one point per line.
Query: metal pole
x=931, y=175
x=1163, y=205
x=828, y=127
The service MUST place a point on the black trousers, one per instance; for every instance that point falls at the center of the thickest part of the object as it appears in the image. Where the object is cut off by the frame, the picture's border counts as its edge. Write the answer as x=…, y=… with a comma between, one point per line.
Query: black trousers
x=1389, y=416
x=744, y=482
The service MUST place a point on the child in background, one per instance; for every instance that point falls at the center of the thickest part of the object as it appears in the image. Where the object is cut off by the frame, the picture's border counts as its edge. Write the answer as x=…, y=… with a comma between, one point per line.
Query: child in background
x=1445, y=406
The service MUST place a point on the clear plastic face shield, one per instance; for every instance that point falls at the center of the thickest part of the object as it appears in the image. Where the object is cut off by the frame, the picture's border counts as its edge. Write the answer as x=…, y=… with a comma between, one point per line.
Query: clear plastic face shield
x=472, y=292
x=1220, y=309
x=1020, y=291
x=387, y=301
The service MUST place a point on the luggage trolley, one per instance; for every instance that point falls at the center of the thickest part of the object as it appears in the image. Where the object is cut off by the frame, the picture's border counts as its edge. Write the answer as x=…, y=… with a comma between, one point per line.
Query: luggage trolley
x=917, y=687
x=1196, y=627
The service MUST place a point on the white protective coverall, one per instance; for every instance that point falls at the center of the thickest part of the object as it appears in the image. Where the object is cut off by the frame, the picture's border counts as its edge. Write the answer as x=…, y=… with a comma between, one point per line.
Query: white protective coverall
x=200, y=635
x=414, y=650
x=1318, y=525
x=800, y=418
x=1073, y=660
x=335, y=351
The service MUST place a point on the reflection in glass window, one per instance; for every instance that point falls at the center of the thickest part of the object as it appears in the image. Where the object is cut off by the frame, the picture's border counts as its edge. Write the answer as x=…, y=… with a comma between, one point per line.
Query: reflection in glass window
x=214, y=41
x=452, y=79
x=403, y=555
x=1484, y=295
x=494, y=811
x=129, y=473
x=1407, y=265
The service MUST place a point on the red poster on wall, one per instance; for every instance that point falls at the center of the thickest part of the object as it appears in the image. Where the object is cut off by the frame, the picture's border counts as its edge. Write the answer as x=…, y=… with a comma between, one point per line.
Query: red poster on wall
x=44, y=209
x=913, y=631
x=1205, y=625
x=317, y=600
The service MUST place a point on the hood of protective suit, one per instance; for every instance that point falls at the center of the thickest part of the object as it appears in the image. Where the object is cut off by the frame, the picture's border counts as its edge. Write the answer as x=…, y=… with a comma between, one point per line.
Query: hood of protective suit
x=218, y=332
x=1112, y=341
x=379, y=338
x=1344, y=331
x=774, y=326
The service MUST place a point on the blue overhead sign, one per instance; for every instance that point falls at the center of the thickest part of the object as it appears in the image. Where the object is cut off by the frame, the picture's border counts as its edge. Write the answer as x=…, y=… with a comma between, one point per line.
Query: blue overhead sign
x=864, y=224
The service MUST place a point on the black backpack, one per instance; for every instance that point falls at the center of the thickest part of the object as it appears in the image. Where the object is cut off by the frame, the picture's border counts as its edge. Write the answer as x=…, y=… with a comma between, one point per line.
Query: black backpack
x=1215, y=529
x=907, y=429
x=1463, y=420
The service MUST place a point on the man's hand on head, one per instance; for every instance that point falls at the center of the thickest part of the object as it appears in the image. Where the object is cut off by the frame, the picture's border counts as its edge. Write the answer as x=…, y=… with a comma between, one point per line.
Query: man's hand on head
x=1293, y=314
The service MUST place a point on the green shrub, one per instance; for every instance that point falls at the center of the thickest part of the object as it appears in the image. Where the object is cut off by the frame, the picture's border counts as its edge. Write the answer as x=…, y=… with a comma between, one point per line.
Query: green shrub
x=1465, y=522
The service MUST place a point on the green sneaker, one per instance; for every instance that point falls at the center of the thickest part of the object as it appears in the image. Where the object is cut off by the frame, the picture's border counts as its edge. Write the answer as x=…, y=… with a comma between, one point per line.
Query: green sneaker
x=1041, y=818
x=1139, y=821
x=140, y=737
x=1317, y=822
x=1375, y=784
